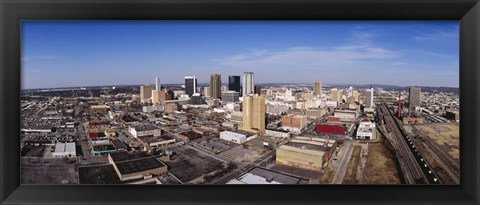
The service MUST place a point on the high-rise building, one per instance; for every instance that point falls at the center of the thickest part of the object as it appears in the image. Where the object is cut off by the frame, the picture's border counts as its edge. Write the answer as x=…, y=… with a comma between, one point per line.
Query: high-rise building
x=146, y=92
x=414, y=97
x=206, y=91
x=157, y=84
x=248, y=84
x=234, y=83
x=369, y=98
x=215, y=86
x=190, y=85
x=159, y=97
x=317, y=90
x=254, y=113
x=230, y=96
x=336, y=95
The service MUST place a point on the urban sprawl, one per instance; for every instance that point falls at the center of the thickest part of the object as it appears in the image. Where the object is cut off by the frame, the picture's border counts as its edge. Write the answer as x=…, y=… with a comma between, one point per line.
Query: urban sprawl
x=240, y=133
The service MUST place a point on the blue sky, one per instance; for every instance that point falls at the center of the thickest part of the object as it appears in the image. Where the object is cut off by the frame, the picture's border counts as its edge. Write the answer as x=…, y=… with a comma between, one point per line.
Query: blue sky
x=405, y=53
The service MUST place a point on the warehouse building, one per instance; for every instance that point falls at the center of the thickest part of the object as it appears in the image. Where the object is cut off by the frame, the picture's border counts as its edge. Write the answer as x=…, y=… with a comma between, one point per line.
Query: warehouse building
x=135, y=166
x=306, y=153
x=64, y=149
x=233, y=137
x=264, y=176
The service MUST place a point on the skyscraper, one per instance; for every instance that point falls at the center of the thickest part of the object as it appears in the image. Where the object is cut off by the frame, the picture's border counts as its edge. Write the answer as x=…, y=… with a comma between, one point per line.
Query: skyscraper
x=190, y=85
x=248, y=84
x=369, y=98
x=157, y=84
x=215, y=86
x=317, y=90
x=254, y=113
x=234, y=83
x=146, y=92
x=414, y=97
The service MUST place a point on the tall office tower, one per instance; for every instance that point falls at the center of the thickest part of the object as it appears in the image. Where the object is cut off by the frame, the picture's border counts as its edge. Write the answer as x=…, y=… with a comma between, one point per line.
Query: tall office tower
x=248, y=84
x=254, y=113
x=146, y=92
x=369, y=98
x=215, y=86
x=159, y=97
x=190, y=85
x=157, y=84
x=234, y=83
x=317, y=90
x=224, y=88
x=414, y=97
x=336, y=95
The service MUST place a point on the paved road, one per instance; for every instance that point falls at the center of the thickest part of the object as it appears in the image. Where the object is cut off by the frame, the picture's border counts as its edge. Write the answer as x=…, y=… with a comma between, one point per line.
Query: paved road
x=342, y=162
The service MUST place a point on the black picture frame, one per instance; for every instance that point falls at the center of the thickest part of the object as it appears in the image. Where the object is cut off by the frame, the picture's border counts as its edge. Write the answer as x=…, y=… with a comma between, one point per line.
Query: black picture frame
x=14, y=11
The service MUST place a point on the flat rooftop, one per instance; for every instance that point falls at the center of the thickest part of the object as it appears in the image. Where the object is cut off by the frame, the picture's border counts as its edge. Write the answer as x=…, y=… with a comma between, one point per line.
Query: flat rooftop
x=124, y=155
x=145, y=127
x=265, y=176
x=152, y=139
x=138, y=165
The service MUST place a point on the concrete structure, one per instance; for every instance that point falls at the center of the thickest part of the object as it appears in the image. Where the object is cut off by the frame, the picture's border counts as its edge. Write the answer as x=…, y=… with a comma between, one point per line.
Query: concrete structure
x=248, y=83
x=230, y=96
x=414, y=97
x=336, y=95
x=65, y=149
x=369, y=98
x=254, y=113
x=233, y=137
x=190, y=85
x=317, y=90
x=366, y=131
x=153, y=108
x=146, y=92
x=215, y=86
x=144, y=130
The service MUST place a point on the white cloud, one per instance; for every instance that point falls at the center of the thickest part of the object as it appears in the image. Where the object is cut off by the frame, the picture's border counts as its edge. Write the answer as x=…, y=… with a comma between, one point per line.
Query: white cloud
x=436, y=35
x=40, y=57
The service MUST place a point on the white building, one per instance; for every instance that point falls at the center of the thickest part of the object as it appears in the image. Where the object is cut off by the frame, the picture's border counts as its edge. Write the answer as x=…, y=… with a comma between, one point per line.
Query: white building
x=233, y=137
x=248, y=83
x=369, y=98
x=144, y=130
x=366, y=131
x=65, y=149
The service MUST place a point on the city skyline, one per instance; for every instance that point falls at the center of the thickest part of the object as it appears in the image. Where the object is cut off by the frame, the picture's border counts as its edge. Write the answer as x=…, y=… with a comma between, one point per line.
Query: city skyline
x=75, y=54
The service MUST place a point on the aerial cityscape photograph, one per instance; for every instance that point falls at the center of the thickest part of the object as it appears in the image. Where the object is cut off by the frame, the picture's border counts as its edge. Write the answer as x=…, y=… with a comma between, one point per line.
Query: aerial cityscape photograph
x=240, y=102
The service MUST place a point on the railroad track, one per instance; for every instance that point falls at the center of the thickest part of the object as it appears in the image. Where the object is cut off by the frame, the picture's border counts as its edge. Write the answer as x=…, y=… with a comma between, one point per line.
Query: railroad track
x=415, y=168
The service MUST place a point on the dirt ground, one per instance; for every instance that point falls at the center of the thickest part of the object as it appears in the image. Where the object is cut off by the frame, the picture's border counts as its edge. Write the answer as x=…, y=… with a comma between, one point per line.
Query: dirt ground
x=45, y=174
x=328, y=174
x=445, y=135
x=352, y=168
x=380, y=167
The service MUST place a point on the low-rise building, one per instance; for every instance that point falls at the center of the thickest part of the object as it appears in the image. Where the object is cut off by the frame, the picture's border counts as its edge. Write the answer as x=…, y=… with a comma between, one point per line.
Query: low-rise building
x=144, y=130
x=233, y=137
x=64, y=149
x=366, y=131
x=311, y=154
x=135, y=166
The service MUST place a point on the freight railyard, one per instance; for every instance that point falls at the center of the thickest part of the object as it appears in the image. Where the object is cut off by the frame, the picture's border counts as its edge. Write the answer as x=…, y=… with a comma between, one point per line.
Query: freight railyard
x=231, y=134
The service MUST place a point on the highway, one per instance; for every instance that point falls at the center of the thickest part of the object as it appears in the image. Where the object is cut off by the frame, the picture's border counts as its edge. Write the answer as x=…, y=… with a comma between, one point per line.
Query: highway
x=414, y=167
